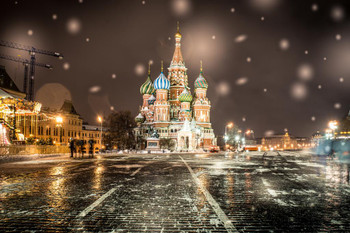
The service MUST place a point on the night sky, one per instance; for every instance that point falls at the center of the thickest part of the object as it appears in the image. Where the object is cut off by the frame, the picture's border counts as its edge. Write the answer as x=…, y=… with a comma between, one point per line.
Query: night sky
x=270, y=64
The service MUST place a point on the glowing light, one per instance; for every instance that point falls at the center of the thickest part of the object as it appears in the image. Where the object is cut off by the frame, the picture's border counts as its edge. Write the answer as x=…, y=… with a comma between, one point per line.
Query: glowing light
x=262, y=18
x=232, y=10
x=241, y=81
x=59, y=119
x=99, y=118
x=73, y=26
x=284, y=44
x=269, y=133
x=30, y=32
x=306, y=52
x=54, y=17
x=87, y=39
x=319, y=87
x=341, y=79
x=313, y=118
x=143, y=2
x=114, y=76
x=213, y=37
x=265, y=90
x=264, y=5
x=111, y=108
x=338, y=37
x=333, y=125
x=249, y=59
x=298, y=91
x=244, y=119
x=325, y=58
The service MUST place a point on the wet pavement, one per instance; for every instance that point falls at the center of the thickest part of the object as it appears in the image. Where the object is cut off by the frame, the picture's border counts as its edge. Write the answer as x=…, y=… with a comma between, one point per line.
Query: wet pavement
x=248, y=192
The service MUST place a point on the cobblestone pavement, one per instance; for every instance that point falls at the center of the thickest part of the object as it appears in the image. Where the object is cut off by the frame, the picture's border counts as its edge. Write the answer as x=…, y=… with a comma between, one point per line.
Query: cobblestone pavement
x=290, y=192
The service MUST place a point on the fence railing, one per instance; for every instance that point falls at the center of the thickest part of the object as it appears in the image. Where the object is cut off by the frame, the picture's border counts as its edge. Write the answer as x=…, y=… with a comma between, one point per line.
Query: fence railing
x=32, y=149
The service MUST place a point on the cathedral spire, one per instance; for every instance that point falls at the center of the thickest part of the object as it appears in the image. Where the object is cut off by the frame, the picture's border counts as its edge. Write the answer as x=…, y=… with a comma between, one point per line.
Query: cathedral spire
x=161, y=66
x=177, y=57
x=149, y=69
x=201, y=69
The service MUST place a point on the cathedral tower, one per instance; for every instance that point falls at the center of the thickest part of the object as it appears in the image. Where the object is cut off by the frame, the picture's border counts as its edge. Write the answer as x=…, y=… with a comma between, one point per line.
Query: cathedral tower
x=161, y=105
x=177, y=74
x=201, y=104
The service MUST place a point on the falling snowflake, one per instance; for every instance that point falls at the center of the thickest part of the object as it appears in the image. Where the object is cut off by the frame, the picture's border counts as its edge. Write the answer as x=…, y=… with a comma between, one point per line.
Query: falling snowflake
x=223, y=88
x=249, y=59
x=241, y=38
x=284, y=44
x=66, y=66
x=143, y=2
x=169, y=38
x=269, y=133
x=265, y=5
x=341, y=79
x=305, y=72
x=94, y=89
x=337, y=105
x=111, y=108
x=232, y=10
x=87, y=39
x=314, y=7
x=150, y=62
x=306, y=52
x=265, y=90
x=181, y=7
x=313, y=118
x=54, y=17
x=73, y=26
x=262, y=18
x=241, y=81
x=319, y=87
x=81, y=1
x=213, y=37
x=298, y=91
x=337, y=13
x=30, y=32
x=244, y=119
x=325, y=58
x=140, y=69
x=114, y=76
x=338, y=37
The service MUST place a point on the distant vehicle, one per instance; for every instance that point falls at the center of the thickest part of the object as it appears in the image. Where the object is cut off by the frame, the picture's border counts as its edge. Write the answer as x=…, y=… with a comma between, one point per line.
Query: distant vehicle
x=214, y=149
x=251, y=148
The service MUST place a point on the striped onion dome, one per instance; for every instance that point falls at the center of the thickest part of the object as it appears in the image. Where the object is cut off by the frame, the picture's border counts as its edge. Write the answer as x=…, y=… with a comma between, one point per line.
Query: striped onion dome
x=151, y=99
x=201, y=82
x=161, y=82
x=185, y=96
x=147, y=87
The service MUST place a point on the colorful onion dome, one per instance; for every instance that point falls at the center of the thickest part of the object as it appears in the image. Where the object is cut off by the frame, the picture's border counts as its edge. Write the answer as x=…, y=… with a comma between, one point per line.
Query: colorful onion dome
x=139, y=118
x=161, y=82
x=185, y=96
x=151, y=99
x=147, y=87
x=200, y=81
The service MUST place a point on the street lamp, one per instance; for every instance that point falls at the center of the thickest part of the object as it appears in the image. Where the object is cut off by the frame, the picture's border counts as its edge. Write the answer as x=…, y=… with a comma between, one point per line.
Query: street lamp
x=59, y=121
x=100, y=119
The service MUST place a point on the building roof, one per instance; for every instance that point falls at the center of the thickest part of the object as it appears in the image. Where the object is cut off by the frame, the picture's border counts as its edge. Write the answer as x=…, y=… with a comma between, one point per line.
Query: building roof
x=68, y=107
x=8, y=85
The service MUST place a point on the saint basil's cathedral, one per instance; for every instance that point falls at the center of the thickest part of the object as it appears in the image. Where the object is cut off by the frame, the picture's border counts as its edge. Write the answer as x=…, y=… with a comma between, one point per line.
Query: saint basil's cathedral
x=170, y=110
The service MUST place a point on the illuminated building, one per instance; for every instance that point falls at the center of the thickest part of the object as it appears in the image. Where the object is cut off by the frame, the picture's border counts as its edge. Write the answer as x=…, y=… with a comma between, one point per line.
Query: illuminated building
x=279, y=142
x=343, y=131
x=170, y=108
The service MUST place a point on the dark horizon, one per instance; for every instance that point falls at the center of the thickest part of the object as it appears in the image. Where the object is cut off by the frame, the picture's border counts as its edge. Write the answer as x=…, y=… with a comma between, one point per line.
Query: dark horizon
x=270, y=64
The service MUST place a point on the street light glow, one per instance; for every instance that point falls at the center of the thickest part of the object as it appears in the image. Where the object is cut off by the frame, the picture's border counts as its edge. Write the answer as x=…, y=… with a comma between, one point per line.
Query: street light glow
x=59, y=119
x=99, y=119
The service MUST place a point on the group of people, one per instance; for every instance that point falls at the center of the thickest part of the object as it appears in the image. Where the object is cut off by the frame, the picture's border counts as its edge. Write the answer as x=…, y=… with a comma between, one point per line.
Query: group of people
x=75, y=145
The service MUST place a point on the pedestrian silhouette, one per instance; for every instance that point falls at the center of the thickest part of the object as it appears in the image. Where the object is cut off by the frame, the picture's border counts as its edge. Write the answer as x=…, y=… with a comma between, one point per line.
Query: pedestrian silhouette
x=91, y=148
x=72, y=147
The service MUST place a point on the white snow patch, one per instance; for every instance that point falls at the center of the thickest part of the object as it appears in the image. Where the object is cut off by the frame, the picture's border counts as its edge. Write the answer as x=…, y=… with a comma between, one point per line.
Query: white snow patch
x=272, y=192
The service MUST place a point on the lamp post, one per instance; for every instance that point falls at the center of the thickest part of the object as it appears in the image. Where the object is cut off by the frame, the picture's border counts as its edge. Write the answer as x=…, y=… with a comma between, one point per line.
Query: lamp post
x=229, y=125
x=100, y=119
x=59, y=121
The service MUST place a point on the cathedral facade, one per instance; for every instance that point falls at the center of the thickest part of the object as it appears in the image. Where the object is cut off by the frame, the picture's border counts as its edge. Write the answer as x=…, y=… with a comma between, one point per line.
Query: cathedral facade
x=170, y=109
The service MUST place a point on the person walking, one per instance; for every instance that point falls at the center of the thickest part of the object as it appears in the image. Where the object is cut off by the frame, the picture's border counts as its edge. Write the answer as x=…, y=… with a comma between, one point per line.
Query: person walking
x=91, y=148
x=72, y=147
